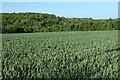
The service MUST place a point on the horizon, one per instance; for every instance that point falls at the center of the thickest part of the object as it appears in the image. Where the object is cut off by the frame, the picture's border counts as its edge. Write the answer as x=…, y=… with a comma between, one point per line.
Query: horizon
x=94, y=10
x=55, y=15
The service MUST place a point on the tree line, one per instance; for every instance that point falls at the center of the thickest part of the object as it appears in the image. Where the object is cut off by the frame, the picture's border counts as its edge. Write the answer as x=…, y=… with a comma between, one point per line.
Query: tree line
x=39, y=22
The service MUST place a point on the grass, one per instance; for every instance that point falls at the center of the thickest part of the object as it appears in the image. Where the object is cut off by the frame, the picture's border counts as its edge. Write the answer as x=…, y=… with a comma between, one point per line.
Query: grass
x=85, y=54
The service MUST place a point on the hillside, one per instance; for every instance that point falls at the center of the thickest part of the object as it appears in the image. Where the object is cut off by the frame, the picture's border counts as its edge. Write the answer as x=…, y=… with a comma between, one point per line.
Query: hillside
x=40, y=22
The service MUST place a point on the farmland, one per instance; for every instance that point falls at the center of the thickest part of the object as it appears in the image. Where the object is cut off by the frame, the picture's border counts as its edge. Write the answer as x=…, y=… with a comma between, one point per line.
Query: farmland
x=82, y=54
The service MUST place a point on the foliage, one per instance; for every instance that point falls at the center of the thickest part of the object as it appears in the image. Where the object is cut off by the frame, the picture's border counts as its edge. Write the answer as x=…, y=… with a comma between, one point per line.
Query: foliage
x=61, y=55
x=38, y=22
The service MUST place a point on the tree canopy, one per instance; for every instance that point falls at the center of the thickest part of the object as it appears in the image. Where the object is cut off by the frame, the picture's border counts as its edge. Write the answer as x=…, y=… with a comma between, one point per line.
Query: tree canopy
x=39, y=22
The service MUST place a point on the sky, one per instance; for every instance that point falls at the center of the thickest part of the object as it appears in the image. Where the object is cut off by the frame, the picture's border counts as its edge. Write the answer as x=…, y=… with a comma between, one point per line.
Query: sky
x=96, y=10
x=60, y=0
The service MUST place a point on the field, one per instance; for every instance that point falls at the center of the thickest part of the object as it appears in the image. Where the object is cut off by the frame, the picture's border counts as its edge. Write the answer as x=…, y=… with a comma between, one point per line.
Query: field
x=87, y=54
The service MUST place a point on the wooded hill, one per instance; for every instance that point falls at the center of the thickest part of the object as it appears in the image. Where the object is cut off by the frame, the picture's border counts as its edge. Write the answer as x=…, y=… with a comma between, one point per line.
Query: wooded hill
x=39, y=22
